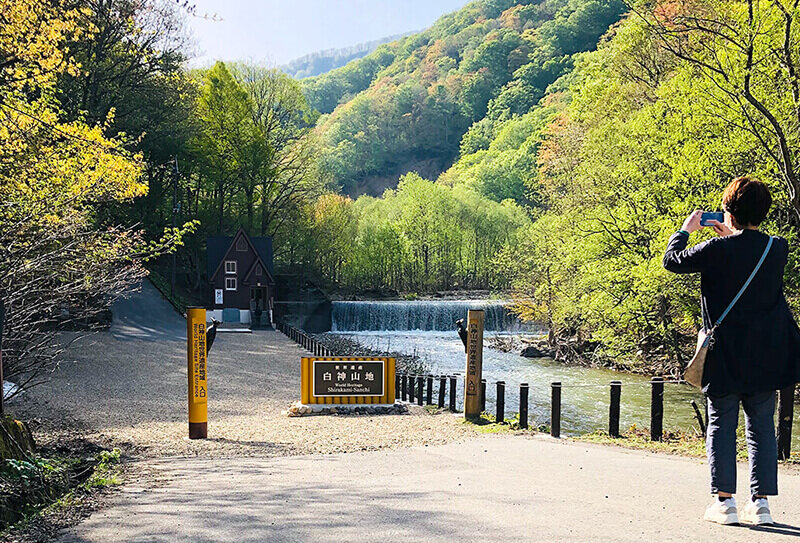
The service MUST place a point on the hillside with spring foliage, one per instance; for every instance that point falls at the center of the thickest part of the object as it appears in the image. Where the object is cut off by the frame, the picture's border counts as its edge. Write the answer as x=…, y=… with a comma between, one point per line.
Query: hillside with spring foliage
x=407, y=106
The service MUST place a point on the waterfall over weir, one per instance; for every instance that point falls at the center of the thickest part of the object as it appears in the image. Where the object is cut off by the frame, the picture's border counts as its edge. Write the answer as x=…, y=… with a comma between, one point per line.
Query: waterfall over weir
x=419, y=315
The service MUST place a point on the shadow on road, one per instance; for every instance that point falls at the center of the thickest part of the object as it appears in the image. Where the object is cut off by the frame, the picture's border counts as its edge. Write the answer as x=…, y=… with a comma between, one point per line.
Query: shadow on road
x=318, y=512
x=144, y=314
x=777, y=528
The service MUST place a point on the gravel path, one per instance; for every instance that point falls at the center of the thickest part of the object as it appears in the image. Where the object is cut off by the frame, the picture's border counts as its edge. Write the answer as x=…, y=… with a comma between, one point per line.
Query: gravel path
x=131, y=393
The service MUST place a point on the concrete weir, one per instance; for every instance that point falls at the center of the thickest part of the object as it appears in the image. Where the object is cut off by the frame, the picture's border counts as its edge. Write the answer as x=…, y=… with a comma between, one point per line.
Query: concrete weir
x=428, y=315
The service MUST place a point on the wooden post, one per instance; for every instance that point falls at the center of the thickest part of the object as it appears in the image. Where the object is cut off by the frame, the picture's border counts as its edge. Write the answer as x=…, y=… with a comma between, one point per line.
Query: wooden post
x=555, y=409
x=420, y=385
x=483, y=395
x=699, y=417
x=501, y=402
x=523, y=405
x=429, y=391
x=404, y=386
x=453, y=393
x=613, y=409
x=442, y=386
x=785, y=418
x=411, y=384
x=2, y=383
x=197, y=372
x=396, y=383
x=656, y=408
x=472, y=381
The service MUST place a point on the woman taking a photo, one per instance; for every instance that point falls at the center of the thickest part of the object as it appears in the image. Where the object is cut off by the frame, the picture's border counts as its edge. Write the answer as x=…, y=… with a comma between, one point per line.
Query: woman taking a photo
x=754, y=350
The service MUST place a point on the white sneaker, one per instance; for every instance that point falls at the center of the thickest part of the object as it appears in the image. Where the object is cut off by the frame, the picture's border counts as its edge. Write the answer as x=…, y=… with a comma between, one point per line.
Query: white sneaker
x=757, y=512
x=722, y=512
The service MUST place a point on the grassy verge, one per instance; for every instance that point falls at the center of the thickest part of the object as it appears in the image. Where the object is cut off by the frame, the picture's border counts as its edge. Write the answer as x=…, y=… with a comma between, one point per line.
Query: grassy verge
x=681, y=443
x=672, y=442
x=49, y=485
x=487, y=424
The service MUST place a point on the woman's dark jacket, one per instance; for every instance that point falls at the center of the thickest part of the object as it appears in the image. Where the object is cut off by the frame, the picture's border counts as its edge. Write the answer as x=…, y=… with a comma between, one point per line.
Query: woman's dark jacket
x=757, y=346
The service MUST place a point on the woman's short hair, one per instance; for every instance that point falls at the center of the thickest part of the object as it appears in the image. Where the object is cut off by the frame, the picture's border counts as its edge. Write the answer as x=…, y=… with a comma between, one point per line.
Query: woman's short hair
x=748, y=200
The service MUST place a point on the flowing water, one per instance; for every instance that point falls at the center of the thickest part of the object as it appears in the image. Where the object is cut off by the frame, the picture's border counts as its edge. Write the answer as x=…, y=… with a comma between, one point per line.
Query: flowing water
x=428, y=315
x=585, y=391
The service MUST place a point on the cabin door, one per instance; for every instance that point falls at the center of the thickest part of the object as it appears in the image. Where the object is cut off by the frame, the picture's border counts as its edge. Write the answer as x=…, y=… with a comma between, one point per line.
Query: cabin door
x=258, y=298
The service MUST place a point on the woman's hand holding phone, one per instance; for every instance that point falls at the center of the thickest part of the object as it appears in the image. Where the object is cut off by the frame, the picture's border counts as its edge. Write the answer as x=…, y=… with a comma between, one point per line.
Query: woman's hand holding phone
x=692, y=222
x=695, y=221
x=720, y=228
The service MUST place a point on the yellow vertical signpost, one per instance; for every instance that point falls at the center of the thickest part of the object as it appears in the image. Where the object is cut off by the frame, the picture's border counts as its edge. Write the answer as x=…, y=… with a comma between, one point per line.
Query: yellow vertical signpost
x=472, y=383
x=197, y=360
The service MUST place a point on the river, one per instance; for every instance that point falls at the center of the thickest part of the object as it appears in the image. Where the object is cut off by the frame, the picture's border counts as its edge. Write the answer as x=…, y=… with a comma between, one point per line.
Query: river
x=426, y=329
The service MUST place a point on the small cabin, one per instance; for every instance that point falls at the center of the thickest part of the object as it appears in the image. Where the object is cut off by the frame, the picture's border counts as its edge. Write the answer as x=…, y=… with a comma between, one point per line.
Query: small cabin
x=241, y=278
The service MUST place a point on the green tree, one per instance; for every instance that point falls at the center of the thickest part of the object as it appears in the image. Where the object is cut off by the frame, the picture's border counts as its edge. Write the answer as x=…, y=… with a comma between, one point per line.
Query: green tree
x=59, y=266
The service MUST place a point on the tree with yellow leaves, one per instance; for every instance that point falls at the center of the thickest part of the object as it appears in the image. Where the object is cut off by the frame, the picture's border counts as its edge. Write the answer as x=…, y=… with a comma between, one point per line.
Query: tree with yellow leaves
x=58, y=267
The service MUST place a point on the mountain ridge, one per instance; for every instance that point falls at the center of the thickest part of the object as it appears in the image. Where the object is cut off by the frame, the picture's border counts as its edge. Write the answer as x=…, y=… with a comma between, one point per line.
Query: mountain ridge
x=325, y=60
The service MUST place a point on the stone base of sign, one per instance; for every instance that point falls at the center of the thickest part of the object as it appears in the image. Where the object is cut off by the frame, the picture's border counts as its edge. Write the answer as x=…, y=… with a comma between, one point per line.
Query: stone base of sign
x=298, y=409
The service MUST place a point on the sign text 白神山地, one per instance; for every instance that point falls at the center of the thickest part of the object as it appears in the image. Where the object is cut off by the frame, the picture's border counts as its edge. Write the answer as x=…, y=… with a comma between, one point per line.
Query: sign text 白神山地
x=348, y=378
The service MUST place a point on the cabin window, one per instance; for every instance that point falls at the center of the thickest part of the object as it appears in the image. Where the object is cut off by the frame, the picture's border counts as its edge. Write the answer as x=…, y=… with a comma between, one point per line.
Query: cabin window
x=230, y=283
x=241, y=245
x=230, y=266
x=258, y=270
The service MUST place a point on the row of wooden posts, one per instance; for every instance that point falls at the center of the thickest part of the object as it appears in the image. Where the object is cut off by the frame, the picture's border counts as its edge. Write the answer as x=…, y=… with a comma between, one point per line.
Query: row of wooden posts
x=413, y=388
x=309, y=343
x=419, y=389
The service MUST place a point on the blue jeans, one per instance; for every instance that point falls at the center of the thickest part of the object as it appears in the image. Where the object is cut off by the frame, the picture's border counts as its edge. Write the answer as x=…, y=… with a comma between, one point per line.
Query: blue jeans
x=723, y=418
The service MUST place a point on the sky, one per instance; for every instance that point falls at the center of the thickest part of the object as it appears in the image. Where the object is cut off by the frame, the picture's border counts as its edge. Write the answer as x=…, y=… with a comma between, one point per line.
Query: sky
x=277, y=31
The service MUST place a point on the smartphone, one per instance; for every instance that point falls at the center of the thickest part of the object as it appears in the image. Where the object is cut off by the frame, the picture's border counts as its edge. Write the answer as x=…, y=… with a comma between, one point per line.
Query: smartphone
x=718, y=216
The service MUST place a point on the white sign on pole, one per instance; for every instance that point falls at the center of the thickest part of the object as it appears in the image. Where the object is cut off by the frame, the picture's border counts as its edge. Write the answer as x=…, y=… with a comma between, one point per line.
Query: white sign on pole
x=218, y=296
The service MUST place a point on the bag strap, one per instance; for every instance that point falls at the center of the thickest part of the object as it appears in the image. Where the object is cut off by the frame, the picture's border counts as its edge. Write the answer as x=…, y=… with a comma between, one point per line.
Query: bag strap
x=746, y=283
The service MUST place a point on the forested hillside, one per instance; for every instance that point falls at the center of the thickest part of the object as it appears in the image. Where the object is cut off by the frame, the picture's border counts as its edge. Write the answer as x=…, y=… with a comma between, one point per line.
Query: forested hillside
x=406, y=106
x=607, y=152
x=330, y=59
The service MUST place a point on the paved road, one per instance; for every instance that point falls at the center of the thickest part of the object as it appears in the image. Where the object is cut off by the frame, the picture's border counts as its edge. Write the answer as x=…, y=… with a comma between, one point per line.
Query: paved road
x=489, y=489
x=146, y=315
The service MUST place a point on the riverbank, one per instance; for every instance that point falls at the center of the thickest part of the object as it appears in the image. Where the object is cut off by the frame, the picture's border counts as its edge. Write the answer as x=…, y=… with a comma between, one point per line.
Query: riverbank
x=584, y=390
x=344, y=346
